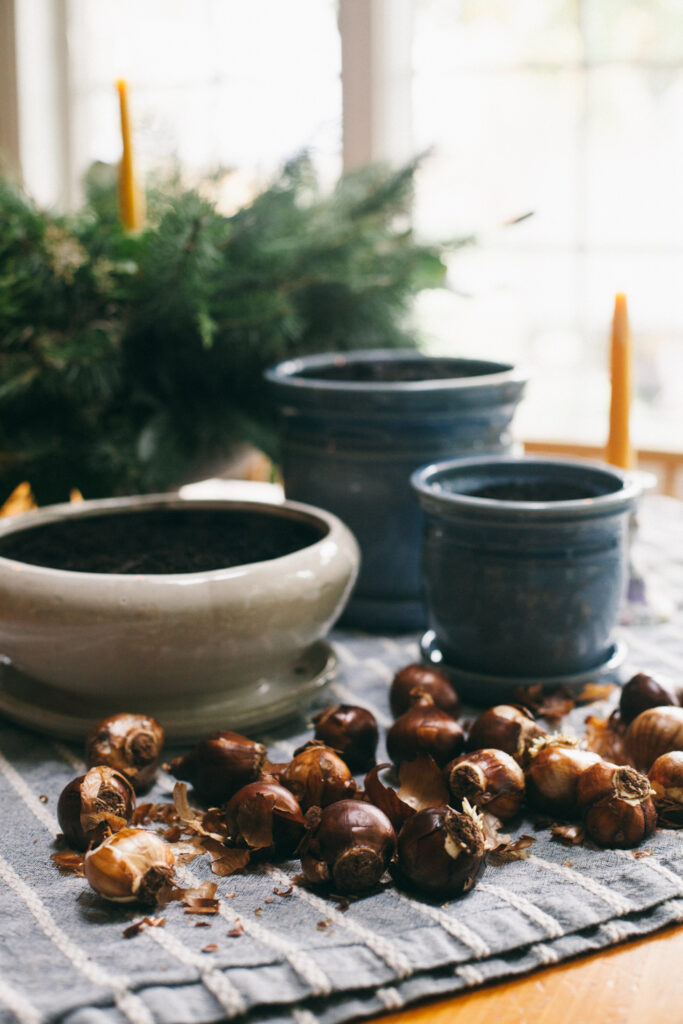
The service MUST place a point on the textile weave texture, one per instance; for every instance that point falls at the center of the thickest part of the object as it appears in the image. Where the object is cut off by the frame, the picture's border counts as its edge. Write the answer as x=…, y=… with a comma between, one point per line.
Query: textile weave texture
x=301, y=958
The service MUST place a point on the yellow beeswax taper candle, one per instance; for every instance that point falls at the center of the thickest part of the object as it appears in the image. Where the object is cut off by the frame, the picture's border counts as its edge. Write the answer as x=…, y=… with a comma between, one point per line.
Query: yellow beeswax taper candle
x=130, y=199
x=619, y=451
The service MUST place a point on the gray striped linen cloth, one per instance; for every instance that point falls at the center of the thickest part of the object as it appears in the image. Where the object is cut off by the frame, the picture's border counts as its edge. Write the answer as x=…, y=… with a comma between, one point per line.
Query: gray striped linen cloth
x=301, y=958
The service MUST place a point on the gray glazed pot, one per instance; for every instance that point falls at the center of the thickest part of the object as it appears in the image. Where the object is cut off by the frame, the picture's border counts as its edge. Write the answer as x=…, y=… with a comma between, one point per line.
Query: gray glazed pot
x=525, y=563
x=238, y=646
x=355, y=425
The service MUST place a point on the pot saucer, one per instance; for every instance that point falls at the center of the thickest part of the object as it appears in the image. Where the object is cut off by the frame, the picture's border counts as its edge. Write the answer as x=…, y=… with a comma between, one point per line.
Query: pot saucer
x=483, y=689
x=69, y=716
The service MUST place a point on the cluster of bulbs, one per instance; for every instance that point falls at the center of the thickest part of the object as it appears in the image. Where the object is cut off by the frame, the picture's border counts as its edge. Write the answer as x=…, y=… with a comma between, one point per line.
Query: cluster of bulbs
x=433, y=842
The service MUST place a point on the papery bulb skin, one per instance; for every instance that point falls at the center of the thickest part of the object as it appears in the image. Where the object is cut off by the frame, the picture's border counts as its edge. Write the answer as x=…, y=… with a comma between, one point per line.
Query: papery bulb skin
x=642, y=692
x=266, y=818
x=507, y=727
x=653, y=733
x=666, y=779
x=94, y=805
x=219, y=765
x=351, y=731
x=131, y=866
x=415, y=679
x=441, y=851
x=552, y=777
x=348, y=847
x=132, y=744
x=425, y=729
x=317, y=776
x=617, y=803
x=490, y=779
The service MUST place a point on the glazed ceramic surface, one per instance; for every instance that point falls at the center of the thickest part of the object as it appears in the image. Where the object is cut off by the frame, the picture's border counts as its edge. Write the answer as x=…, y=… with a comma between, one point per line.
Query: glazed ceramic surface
x=182, y=640
x=350, y=445
x=524, y=563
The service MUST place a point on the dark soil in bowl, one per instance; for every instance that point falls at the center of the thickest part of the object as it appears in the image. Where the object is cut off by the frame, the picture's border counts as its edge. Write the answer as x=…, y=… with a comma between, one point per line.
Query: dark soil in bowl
x=400, y=372
x=536, y=491
x=160, y=541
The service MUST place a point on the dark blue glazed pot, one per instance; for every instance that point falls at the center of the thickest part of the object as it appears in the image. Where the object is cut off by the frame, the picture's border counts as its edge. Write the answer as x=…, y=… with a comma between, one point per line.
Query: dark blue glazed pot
x=354, y=427
x=524, y=563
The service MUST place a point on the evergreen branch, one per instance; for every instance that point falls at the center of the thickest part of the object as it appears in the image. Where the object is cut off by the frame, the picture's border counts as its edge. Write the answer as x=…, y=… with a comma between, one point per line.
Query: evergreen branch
x=132, y=362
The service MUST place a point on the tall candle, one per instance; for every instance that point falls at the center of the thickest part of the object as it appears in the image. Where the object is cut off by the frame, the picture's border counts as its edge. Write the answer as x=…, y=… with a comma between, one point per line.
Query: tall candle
x=619, y=451
x=130, y=200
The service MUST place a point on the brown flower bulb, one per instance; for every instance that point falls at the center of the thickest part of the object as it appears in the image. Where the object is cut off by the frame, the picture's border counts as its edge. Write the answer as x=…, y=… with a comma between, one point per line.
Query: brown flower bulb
x=507, y=727
x=317, y=776
x=640, y=693
x=425, y=729
x=490, y=779
x=350, y=730
x=264, y=817
x=666, y=779
x=552, y=778
x=131, y=866
x=349, y=846
x=94, y=805
x=219, y=765
x=653, y=733
x=132, y=744
x=417, y=679
x=441, y=851
x=617, y=805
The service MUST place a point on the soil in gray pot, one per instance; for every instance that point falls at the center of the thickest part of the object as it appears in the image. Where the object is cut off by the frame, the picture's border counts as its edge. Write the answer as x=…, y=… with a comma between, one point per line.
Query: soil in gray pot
x=160, y=541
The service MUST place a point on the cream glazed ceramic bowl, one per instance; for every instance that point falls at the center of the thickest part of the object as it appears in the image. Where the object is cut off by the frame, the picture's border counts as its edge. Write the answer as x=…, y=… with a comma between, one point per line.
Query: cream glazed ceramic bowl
x=233, y=647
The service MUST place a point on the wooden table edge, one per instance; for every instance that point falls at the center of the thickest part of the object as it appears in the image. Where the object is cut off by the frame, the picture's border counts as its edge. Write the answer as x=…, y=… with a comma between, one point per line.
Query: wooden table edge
x=636, y=982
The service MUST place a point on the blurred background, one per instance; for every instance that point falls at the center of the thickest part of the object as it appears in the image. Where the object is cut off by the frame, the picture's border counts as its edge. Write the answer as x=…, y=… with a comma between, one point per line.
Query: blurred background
x=568, y=110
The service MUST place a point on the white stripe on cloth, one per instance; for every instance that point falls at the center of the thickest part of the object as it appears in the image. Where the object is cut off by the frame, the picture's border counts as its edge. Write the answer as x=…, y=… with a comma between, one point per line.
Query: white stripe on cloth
x=618, y=903
x=314, y=975
x=67, y=755
x=457, y=929
x=407, y=651
x=382, y=670
x=347, y=656
x=381, y=947
x=550, y=924
x=23, y=1010
x=546, y=954
x=300, y=1016
x=175, y=949
x=390, y=998
x=616, y=931
x=655, y=865
x=214, y=980
x=21, y=788
x=130, y=1005
x=470, y=975
x=304, y=965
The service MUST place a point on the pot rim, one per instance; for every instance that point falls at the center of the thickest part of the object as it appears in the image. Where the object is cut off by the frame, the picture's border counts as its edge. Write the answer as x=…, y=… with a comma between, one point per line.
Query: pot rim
x=425, y=484
x=289, y=372
x=101, y=506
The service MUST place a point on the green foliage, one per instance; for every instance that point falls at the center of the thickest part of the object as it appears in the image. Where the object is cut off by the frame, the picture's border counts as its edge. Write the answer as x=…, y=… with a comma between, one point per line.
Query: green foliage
x=133, y=362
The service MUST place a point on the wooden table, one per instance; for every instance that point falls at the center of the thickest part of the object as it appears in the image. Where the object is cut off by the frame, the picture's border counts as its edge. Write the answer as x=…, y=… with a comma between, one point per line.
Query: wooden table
x=636, y=983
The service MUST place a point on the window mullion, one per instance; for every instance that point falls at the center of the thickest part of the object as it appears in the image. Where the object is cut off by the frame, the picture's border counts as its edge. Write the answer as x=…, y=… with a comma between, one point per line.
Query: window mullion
x=376, y=38
x=41, y=77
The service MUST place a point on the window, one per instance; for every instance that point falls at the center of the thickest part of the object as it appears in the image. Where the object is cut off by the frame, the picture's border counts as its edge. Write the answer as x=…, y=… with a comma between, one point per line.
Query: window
x=569, y=109
x=572, y=109
x=213, y=83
